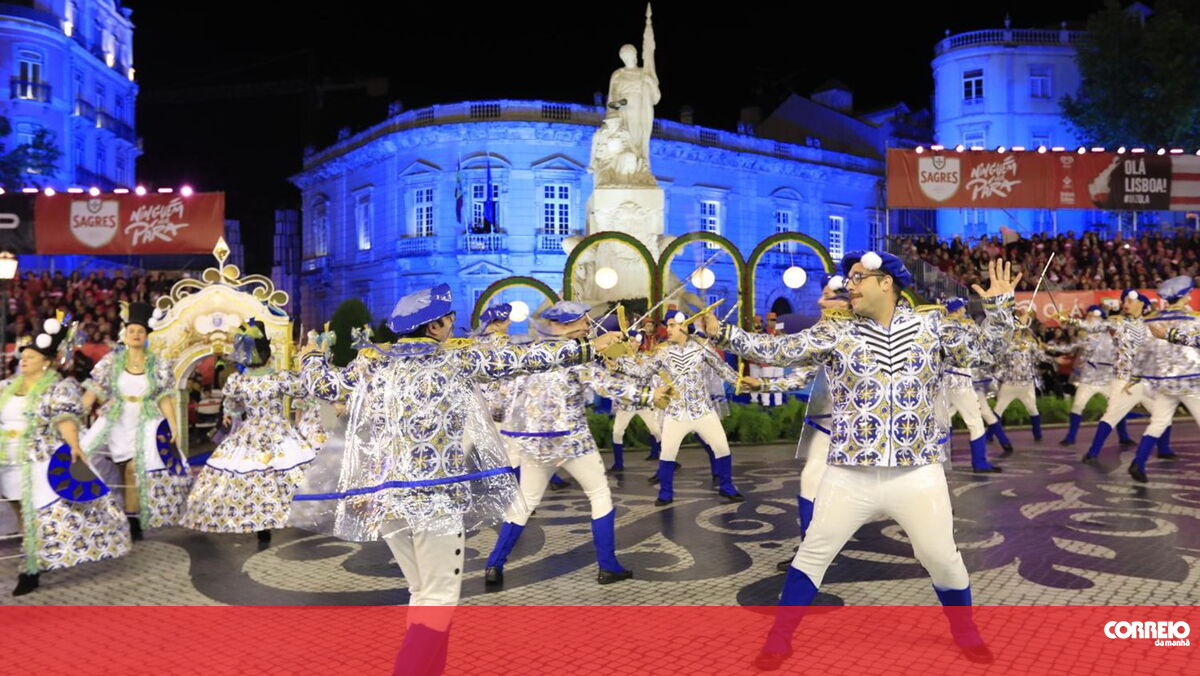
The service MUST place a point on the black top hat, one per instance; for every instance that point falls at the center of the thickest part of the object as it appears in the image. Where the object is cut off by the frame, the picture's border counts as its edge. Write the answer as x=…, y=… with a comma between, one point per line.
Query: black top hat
x=140, y=314
x=48, y=339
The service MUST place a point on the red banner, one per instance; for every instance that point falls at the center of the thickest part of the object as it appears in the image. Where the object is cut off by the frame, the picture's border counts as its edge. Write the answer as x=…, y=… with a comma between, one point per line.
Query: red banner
x=1053, y=180
x=129, y=224
x=596, y=640
x=1077, y=302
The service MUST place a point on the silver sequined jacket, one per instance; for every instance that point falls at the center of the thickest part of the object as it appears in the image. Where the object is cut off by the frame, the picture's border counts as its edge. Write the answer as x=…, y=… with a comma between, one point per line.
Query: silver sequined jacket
x=884, y=382
x=689, y=366
x=1169, y=369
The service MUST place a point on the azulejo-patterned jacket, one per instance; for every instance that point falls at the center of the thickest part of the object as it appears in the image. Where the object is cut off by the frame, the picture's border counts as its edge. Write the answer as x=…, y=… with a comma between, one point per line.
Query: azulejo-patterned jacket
x=1168, y=369
x=548, y=420
x=884, y=381
x=688, y=366
x=1130, y=335
x=1019, y=362
x=1095, y=363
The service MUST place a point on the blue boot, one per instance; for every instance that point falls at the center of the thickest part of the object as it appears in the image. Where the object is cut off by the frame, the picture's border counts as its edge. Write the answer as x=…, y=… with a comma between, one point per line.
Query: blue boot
x=723, y=467
x=423, y=652
x=956, y=605
x=1102, y=432
x=666, y=483
x=618, y=457
x=806, y=514
x=1072, y=430
x=712, y=461
x=605, y=540
x=1035, y=421
x=509, y=533
x=798, y=594
x=1137, y=469
x=979, y=461
x=1164, y=445
x=997, y=429
x=557, y=483
x=1123, y=437
x=655, y=449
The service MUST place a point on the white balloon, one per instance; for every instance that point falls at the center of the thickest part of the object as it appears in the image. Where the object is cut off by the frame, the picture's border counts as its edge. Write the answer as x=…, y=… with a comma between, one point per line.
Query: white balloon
x=703, y=278
x=606, y=278
x=794, y=277
x=520, y=311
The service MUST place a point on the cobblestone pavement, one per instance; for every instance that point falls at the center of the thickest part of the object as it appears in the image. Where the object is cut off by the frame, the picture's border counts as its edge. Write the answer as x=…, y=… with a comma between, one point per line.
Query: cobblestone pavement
x=1048, y=531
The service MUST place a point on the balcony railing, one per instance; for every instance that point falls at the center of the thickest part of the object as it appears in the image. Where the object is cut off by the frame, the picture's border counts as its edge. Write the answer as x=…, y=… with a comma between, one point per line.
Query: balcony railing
x=483, y=243
x=415, y=246
x=547, y=243
x=84, y=109
x=29, y=90
x=1005, y=36
x=122, y=130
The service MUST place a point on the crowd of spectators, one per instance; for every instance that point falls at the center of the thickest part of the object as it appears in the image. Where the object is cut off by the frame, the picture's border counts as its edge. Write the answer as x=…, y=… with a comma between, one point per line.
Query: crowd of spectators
x=1081, y=263
x=92, y=299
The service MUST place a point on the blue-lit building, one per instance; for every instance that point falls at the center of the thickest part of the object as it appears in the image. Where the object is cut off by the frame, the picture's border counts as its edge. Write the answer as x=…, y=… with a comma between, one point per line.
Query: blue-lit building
x=70, y=70
x=380, y=214
x=1003, y=87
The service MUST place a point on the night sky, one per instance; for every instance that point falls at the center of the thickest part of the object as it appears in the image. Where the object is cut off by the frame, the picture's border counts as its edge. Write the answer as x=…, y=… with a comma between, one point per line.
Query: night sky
x=229, y=97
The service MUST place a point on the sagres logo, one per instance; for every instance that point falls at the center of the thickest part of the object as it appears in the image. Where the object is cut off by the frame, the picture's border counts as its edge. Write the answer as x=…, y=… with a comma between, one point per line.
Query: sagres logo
x=938, y=177
x=1162, y=633
x=94, y=221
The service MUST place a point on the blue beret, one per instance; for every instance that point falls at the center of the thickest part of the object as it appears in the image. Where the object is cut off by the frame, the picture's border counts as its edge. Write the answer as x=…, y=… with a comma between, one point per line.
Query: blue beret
x=889, y=263
x=955, y=304
x=1097, y=308
x=1146, y=307
x=565, y=311
x=420, y=308
x=1176, y=287
x=495, y=313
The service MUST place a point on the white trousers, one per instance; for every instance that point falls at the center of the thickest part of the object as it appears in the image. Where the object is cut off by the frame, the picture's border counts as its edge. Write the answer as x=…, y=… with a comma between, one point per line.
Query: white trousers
x=815, y=461
x=964, y=402
x=1162, y=410
x=916, y=497
x=985, y=409
x=653, y=423
x=588, y=470
x=1084, y=394
x=432, y=564
x=707, y=427
x=767, y=398
x=1022, y=392
x=1120, y=402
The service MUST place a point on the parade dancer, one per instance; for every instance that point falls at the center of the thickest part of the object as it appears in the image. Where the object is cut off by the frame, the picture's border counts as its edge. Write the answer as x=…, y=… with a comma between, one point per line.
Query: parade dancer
x=549, y=429
x=884, y=362
x=684, y=362
x=1176, y=372
x=248, y=483
x=64, y=521
x=960, y=389
x=423, y=462
x=984, y=382
x=137, y=389
x=623, y=416
x=1018, y=373
x=1093, y=372
x=499, y=394
x=1130, y=337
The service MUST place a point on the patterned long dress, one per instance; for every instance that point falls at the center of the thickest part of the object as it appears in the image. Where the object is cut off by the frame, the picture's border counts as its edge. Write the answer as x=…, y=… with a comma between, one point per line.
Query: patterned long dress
x=131, y=426
x=251, y=477
x=58, y=533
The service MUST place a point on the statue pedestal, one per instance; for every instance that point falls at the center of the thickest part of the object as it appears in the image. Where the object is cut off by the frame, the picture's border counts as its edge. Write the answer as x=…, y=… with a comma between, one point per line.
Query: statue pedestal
x=634, y=211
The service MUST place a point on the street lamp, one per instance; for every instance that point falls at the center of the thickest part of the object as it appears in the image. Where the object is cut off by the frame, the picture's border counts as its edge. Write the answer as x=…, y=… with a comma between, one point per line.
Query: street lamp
x=8, y=272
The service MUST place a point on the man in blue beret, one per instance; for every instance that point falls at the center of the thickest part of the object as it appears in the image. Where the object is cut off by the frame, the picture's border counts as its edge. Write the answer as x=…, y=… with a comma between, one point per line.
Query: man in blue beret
x=1093, y=374
x=1172, y=374
x=423, y=463
x=884, y=363
x=1133, y=362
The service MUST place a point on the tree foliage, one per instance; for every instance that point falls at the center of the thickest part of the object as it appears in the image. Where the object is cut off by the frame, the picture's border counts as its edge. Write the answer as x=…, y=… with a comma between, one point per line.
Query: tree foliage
x=351, y=314
x=1139, y=78
x=25, y=163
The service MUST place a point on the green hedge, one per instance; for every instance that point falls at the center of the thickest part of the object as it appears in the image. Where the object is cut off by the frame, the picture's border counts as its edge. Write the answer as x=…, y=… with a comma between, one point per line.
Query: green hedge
x=746, y=423
x=1052, y=410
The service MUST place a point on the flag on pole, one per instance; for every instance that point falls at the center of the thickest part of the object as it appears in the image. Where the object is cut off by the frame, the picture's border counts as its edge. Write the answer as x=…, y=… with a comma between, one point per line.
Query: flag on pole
x=458, y=192
x=489, y=205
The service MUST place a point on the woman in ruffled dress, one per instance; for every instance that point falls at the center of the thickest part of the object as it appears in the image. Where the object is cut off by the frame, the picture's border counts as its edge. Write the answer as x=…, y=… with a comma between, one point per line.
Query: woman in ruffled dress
x=136, y=424
x=64, y=521
x=248, y=483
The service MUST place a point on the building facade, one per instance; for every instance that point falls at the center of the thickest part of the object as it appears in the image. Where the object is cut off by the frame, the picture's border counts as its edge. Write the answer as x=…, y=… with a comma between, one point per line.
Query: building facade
x=473, y=192
x=70, y=71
